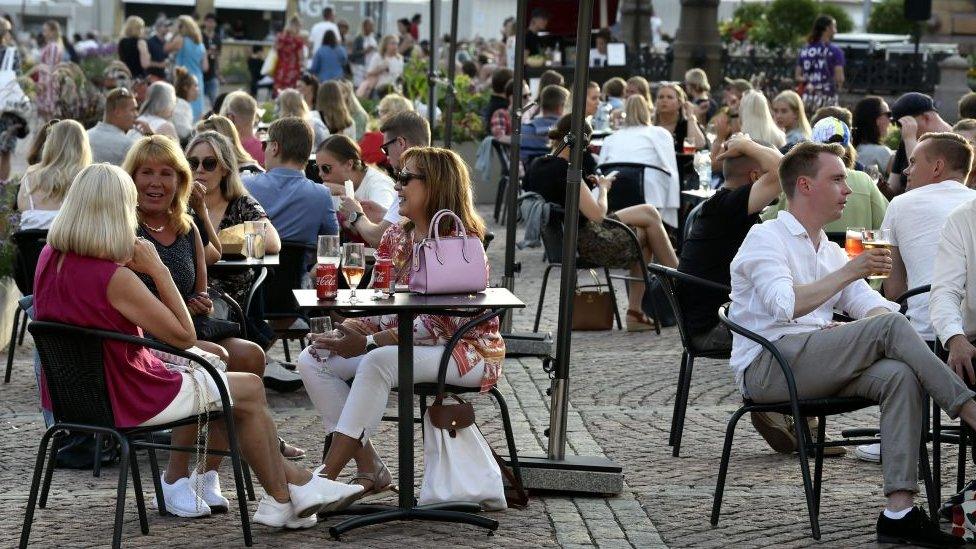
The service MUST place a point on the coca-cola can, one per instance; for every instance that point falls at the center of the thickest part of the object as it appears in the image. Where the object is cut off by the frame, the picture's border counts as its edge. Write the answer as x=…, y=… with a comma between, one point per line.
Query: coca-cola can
x=326, y=281
x=383, y=274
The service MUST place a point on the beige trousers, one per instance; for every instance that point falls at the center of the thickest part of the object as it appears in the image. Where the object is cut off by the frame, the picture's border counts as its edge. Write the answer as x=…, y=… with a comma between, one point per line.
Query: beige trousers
x=881, y=358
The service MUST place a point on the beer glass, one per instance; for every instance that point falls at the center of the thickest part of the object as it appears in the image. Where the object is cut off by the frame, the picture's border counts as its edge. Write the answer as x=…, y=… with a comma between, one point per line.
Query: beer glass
x=876, y=238
x=852, y=242
x=320, y=324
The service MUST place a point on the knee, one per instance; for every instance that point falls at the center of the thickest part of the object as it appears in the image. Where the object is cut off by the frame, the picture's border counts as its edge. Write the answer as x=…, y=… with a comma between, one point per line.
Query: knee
x=249, y=395
x=904, y=384
x=897, y=323
x=221, y=352
x=251, y=357
x=378, y=366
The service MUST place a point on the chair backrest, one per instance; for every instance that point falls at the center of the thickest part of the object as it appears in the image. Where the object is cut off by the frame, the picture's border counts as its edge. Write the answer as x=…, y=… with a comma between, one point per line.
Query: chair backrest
x=287, y=276
x=675, y=281
x=691, y=219
x=486, y=240
x=628, y=188
x=74, y=372
x=27, y=245
x=501, y=151
x=552, y=234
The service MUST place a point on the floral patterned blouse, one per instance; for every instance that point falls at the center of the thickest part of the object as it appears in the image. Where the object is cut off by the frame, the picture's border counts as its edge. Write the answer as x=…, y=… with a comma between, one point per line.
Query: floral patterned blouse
x=483, y=343
x=241, y=209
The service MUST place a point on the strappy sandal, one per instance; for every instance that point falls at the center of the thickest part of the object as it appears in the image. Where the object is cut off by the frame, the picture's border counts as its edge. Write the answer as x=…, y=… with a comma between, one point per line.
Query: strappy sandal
x=637, y=321
x=283, y=446
x=381, y=477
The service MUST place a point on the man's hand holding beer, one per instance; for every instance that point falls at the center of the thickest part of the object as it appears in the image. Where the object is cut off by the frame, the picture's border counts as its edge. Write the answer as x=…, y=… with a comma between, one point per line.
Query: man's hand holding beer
x=870, y=262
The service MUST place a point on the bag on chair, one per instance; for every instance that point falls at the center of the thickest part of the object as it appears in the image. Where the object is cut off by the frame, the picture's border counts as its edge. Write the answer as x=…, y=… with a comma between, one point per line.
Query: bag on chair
x=459, y=465
x=592, y=307
x=448, y=264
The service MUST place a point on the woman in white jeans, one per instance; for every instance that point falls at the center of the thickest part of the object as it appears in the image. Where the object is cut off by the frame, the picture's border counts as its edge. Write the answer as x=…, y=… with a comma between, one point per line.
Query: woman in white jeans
x=365, y=350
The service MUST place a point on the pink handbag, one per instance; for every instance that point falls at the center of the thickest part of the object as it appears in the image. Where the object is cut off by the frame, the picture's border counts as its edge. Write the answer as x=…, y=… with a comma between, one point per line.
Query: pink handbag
x=449, y=264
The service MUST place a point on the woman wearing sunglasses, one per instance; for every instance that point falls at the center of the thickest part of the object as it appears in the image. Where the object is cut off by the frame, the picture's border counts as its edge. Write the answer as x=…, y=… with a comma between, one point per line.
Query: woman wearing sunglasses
x=366, y=349
x=339, y=160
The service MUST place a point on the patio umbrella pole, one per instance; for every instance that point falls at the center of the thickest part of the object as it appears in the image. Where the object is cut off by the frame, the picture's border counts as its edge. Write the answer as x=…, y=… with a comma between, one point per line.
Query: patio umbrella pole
x=432, y=66
x=451, y=69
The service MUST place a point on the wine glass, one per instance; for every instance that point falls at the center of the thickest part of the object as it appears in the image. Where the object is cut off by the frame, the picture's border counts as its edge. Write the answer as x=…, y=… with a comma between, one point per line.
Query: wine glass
x=328, y=250
x=353, y=266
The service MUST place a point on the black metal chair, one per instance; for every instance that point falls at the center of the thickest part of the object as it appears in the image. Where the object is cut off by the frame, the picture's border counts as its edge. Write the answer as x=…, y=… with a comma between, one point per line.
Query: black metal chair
x=552, y=243
x=501, y=151
x=800, y=409
x=628, y=188
x=27, y=249
x=675, y=281
x=280, y=308
x=73, y=366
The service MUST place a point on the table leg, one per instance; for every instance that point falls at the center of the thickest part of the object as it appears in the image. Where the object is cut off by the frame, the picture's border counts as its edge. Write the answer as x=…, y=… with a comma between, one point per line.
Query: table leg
x=405, y=409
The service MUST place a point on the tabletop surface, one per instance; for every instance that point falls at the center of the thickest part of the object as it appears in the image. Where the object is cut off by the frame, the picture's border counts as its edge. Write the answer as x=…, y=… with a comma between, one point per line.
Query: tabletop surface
x=269, y=260
x=490, y=298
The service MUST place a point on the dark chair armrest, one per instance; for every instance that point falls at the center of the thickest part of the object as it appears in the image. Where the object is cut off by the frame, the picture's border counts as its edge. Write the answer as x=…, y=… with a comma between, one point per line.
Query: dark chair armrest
x=233, y=306
x=902, y=300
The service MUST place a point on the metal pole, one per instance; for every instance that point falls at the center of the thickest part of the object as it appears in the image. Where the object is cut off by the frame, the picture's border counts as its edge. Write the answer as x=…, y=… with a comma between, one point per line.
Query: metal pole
x=432, y=65
x=564, y=334
x=451, y=69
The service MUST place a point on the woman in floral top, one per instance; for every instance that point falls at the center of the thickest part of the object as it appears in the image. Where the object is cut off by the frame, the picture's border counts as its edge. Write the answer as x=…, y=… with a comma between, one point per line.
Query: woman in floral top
x=365, y=350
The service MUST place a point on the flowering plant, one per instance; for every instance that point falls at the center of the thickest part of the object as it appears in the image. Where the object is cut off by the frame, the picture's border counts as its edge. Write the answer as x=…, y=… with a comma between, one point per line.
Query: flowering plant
x=9, y=223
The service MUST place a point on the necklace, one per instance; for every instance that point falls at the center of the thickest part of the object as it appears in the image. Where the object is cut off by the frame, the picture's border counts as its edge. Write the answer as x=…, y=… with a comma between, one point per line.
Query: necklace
x=153, y=229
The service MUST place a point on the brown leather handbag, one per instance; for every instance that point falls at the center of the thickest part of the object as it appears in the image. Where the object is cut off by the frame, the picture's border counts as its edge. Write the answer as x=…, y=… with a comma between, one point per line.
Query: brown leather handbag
x=592, y=306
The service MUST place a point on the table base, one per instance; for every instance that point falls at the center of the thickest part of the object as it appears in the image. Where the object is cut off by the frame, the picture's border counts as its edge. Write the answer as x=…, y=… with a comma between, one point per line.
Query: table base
x=462, y=513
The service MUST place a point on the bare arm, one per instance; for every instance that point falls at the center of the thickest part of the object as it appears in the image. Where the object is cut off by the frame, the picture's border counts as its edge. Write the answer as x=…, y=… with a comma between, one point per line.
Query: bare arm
x=174, y=45
x=272, y=242
x=201, y=263
x=594, y=209
x=145, y=60
x=839, y=77
x=810, y=296
x=767, y=187
x=897, y=282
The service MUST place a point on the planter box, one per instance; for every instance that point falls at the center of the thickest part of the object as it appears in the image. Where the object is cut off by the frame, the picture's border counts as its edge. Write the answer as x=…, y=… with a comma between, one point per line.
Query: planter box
x=484, y=191
x=9, y=294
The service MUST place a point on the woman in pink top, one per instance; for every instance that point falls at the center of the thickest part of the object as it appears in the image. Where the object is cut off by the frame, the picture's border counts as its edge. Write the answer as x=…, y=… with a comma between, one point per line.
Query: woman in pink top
x=87, y=276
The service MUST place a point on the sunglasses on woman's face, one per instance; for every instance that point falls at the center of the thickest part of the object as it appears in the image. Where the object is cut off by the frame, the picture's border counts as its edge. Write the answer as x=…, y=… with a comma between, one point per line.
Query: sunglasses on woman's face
x=209, y=163
x=405, y=177
x=326, y=168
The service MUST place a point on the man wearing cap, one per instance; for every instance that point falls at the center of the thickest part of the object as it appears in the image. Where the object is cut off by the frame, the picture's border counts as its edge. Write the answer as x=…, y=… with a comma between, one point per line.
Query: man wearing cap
x=866, y=205
x=916, y=115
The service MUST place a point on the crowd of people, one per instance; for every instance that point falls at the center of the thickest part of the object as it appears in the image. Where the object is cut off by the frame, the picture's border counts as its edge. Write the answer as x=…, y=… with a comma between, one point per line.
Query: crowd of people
x=136, y=204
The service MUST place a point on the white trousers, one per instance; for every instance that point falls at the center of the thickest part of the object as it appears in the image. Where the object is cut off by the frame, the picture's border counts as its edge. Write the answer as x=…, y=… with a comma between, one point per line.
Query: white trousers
x=357, y=411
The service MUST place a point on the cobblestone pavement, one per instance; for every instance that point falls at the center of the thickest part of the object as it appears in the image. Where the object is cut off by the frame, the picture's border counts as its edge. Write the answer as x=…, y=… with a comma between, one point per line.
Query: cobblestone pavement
x=620, y=406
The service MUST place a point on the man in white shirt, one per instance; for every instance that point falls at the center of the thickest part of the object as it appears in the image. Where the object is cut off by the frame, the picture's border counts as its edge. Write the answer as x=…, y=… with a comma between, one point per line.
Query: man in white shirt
x=787, y=279
x=111, y=138
x=318, y=31
x=951, y=309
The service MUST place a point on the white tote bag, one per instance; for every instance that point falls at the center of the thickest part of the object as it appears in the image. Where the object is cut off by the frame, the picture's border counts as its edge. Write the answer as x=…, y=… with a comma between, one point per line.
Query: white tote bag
x=12, y=97
x=458, y=463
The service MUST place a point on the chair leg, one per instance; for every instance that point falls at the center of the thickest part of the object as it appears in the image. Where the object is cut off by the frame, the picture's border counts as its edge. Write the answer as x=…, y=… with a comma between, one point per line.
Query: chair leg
x=284, y=343
x=154, y=467
x=248, y=483
x=542, y=296
x=35, y=484
x=238, y=464
x=51, y=463
x=137, y=486
x=677, y=397
x=925, y=470
x=23, y=328
x=509, y=434
x=500, y=197
x=654, y=310
x=818, y=463
x=10, y=347
x=961, y=461
x=613, y=298
x=97, y=468
x=723, y=467
x=937, y=451
x=685, y=390
x=802, y=431
x=120, y=493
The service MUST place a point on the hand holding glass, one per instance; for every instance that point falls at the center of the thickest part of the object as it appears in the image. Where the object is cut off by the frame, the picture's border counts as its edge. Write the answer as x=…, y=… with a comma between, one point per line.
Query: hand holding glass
x=876, y=238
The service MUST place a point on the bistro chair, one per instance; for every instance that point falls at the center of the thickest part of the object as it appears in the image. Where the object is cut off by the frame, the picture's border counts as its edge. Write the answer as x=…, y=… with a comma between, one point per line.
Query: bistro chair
x=800, y=410
x=501, y=151
x=72, y=360
x=675, y=281
x=27, y=249
x=628, y=188
x=280, y=308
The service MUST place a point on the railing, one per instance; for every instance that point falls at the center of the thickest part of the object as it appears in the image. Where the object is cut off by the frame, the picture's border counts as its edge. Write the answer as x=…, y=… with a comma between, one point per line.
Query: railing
x=654, y=66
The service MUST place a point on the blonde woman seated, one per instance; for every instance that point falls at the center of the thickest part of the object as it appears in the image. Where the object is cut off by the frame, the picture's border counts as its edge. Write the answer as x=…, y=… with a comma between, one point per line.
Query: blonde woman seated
x=791, y=117
x=42, y=189
x=598, y=243
x=366, y=351
x=757, y=121
x=222, y=125
x=291, y=103
x=158, y=108
x=639, y=141
x=93, y=281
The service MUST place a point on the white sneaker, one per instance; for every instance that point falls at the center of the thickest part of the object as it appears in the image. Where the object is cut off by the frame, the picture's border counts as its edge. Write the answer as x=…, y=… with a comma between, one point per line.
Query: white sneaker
x=210, y=491
x=280, y=378
x=319, y=491
x=868, y=452
x=273, y=514
x=181, y=500
x=296, y=523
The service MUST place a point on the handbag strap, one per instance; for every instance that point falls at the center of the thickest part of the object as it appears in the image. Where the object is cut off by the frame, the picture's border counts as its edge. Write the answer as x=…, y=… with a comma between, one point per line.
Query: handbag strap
x=433, y=231
x=520, y=498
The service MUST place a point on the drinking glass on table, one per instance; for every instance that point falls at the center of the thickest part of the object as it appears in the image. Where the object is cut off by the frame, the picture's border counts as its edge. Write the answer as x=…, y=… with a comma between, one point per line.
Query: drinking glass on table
x=688, y=147
x=328, y=250
x=852, y=242
x=353, y=265
x=876, y=238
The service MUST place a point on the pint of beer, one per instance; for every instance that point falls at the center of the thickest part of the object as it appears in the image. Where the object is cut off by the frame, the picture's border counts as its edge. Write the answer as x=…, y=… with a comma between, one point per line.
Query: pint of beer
x=878, y=238
x=852, y=242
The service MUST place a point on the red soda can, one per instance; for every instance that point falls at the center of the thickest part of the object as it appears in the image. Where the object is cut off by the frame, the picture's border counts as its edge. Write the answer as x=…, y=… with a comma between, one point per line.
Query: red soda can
x=383, y=277
x=326, y=281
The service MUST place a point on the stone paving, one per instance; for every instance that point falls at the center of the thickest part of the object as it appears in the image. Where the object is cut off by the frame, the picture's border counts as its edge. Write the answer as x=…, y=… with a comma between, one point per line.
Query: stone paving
x=621, y=397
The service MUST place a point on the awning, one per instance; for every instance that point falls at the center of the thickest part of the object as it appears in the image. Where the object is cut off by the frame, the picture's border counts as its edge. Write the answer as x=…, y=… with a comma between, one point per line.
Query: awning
x=258, y=5
x=163, y=2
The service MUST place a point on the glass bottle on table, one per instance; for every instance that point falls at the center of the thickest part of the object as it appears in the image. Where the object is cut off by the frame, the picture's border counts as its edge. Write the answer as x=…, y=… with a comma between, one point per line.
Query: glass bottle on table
x=353, y=266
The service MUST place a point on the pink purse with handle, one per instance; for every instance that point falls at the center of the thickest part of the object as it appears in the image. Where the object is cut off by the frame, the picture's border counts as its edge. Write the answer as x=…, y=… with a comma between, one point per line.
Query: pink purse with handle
x=448, y=264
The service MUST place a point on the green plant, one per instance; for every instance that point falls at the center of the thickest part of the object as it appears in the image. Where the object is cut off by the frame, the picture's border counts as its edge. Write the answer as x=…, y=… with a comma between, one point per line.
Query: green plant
x=889, y=17
x=844, y=21
x=9, y=223
x=893, y=139
x=235, y=71
x=789, y=20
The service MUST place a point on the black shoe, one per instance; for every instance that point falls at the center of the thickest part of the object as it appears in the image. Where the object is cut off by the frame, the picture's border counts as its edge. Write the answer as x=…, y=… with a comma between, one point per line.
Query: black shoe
x=914, y=529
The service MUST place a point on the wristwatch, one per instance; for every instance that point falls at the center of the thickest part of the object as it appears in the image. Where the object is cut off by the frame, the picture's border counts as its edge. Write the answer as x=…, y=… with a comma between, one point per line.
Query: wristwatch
x=370, y=343
x=355, y=218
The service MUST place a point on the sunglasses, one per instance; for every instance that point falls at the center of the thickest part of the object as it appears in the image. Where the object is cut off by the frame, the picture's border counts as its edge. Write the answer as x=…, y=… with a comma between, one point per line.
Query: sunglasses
x=404, y=178
x=326, y=168
x=209, y=163
x=385, y=147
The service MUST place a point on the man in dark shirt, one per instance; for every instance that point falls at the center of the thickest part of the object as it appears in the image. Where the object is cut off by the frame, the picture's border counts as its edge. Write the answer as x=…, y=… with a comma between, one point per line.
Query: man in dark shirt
x=535, y=44
x=497, y=99
x=212, y=42
x=157, y=42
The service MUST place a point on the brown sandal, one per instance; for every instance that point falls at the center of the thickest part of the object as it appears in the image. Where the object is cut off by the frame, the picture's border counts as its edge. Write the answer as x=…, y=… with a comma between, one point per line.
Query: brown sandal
x=637, y=321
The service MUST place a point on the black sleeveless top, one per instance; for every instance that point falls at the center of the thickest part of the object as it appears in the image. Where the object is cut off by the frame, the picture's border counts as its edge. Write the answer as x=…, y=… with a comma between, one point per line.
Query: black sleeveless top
x=179, y=257
x=129, y=54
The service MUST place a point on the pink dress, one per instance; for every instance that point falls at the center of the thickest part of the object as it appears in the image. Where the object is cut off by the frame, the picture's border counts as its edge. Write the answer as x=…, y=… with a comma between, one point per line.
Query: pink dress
x=139, y=385
x=47, y=95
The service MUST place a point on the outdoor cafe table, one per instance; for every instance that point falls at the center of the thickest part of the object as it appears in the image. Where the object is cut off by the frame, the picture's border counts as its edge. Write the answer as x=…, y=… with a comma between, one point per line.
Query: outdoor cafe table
x=269, y=260
x=407, y=306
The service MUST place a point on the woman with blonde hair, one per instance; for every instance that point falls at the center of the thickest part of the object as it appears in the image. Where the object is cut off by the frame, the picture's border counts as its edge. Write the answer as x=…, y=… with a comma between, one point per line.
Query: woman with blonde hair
x=226, y=128
x=359, y=115
x=157, y=110
x=432, y=179
x=43, y=188
x=190, y=54
x=92, y=273
x=697, y=87
x=291, y=103
x=51, y=55
x=332, y=108
x=290, y=48
x=791, y=117
x=676, y=114
x=133, y=48
x=638, y=85
x=384, y=69
x=757, y=122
